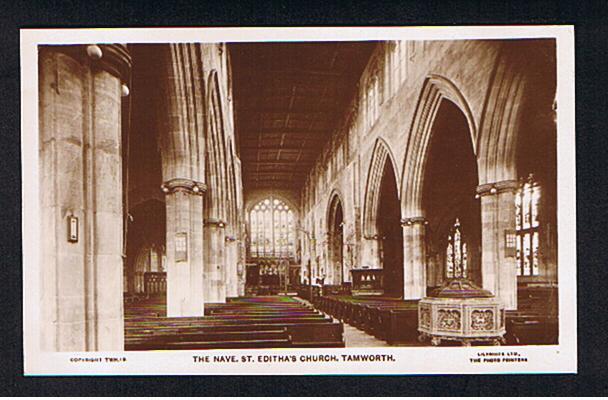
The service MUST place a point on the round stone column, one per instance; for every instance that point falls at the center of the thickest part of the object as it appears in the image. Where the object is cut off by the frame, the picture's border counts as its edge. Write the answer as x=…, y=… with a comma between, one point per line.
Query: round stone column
x=184, y=199
x=498, y=264
x=215, y=270
x=414, y=257
x=231, y=265
x=80, y=90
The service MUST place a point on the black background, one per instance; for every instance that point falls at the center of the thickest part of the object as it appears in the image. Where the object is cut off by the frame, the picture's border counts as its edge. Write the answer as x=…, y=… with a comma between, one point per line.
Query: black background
x=591, y=34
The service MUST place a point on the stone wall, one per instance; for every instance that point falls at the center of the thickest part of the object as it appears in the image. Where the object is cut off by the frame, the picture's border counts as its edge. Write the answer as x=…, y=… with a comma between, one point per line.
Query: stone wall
x=389, y=108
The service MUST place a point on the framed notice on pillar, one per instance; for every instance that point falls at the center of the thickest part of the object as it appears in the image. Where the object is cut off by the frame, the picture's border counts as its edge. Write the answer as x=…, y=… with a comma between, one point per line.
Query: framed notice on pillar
x=181, y=247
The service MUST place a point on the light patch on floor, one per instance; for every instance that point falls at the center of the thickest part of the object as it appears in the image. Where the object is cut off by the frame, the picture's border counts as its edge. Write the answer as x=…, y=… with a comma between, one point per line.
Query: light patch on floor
x=353, y=337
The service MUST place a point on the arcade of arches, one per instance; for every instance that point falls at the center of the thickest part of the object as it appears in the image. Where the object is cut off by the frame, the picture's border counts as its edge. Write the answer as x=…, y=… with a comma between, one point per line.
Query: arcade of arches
x=208, y=172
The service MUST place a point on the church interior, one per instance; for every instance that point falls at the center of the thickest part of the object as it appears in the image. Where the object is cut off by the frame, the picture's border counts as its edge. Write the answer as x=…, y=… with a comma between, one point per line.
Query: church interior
x=298, y=194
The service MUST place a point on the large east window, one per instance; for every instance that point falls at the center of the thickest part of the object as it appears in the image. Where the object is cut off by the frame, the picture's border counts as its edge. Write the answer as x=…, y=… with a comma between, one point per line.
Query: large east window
x=527, y=227
x=272, y=229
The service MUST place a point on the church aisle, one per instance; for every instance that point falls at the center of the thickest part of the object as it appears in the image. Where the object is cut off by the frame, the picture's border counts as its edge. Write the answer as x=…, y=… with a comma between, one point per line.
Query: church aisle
x=354, y=337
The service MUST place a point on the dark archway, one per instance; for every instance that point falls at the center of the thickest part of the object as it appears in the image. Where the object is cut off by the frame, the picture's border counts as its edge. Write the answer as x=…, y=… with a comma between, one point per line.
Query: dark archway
x=336, y=240
x=448, y=196
x=144, y=201
x=145, y=243
x=390, y=234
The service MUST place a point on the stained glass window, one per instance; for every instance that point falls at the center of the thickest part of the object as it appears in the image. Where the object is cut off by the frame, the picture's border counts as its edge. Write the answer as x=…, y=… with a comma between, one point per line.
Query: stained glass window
x=527, y=227
x=271, y=224
x=456, y=260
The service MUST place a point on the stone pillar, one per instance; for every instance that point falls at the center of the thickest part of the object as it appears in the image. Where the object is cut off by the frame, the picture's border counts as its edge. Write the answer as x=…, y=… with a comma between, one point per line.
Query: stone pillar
x=231, y=269
x=370, y=251
x=81, y=289
x=215, y=271
x=184, y=199
x=241, y=269
x=498, y=264
x=414, y=257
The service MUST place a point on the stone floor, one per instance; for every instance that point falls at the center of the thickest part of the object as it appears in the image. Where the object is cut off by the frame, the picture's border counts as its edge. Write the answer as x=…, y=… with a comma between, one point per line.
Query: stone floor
x=354, y=337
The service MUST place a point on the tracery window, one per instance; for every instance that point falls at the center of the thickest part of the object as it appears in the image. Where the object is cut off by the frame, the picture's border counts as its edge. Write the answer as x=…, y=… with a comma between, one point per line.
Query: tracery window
x=456, y=260
x=527, y=227
x=271, y=222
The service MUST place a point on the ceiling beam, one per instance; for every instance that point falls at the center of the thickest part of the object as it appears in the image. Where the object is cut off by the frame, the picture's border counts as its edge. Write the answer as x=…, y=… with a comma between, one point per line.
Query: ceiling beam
x=298, y=110
x=275, y=163
x=295, y=74
x=277, y=147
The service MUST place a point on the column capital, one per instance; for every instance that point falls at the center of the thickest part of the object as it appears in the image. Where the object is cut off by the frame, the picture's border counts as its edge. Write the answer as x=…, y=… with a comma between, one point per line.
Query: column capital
x=214, y=222
x=183, y=185
x=414, y=220
x=113, y=58
x=485, y=189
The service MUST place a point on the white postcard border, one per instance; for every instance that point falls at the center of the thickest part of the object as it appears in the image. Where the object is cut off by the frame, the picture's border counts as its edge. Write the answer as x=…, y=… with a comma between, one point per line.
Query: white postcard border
x=561, y=358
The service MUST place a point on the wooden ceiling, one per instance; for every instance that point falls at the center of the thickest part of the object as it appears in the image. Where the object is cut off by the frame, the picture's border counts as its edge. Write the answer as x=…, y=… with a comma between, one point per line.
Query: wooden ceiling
x=289, y=98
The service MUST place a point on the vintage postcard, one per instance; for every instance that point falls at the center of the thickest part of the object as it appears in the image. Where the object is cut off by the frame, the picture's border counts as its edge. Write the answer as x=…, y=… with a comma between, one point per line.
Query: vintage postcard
x=299, y=200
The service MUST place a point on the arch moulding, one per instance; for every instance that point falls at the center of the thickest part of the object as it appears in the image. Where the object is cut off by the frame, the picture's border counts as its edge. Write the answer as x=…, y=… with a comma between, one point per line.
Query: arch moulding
x=380, y=156
x=335, y=197
x=435, y=89
x=500, y=123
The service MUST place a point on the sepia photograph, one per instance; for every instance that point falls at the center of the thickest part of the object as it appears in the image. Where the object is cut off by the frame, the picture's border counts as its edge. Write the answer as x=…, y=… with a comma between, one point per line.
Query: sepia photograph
x=299, y=201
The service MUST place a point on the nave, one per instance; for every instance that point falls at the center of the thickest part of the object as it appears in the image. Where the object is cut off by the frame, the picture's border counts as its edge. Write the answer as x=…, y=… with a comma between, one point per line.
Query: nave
x=196, y=194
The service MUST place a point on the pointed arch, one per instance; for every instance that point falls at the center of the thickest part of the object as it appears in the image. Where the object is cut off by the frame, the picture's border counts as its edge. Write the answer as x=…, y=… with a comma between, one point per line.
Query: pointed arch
x=335, y=197
x=501, y=118
x=335, y=239
x=380, y=156
x=435, y=89
x=217, y=163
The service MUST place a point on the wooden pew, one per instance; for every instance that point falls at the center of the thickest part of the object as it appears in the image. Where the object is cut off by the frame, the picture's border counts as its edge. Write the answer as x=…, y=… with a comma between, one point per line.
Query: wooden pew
x=536, y=319
x=259, y=322
x=389, y=319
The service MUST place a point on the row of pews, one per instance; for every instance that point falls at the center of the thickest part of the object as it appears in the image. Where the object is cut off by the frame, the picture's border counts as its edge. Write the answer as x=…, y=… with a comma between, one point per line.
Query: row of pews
x=249, y=322
x=536, y=319
x=392, y=320
x=395, y=321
